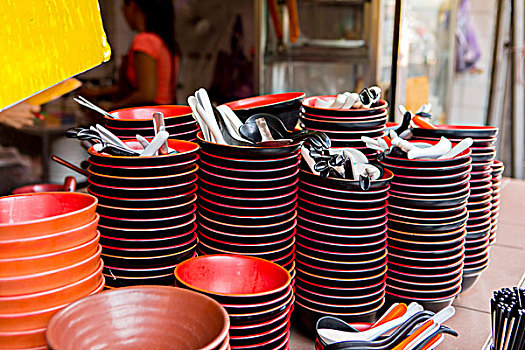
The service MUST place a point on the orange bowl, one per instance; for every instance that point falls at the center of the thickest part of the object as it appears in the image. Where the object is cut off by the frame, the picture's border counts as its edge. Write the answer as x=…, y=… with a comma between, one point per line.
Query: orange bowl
x=52, y=278
x=34, y=319
x=139, y=318
x=37, y=214
x=31, y=338
x=54, y=242
x=28, y=265
x=52, y=297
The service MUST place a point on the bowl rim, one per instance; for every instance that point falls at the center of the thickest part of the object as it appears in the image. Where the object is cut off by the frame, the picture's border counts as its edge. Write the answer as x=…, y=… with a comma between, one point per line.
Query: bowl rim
x=195, y=148
x=241, y=104
x=150, y=107
x=383, y=104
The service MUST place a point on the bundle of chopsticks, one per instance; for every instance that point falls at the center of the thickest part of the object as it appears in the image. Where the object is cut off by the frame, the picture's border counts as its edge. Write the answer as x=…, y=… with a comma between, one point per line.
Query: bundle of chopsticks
x=508, y=319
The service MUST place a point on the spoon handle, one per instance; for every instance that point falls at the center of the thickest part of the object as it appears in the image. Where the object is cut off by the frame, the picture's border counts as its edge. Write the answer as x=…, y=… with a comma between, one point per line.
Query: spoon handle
x=266, y=134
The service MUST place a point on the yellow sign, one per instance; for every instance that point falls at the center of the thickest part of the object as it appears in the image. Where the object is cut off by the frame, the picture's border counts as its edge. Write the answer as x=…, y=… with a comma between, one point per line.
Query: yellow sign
x=44, y=42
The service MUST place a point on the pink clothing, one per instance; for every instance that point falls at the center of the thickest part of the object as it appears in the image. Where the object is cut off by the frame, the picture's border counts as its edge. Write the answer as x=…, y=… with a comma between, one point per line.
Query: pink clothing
x=167, y=65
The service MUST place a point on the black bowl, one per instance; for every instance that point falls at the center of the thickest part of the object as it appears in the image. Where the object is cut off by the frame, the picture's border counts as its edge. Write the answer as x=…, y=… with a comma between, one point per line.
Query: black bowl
x=186, y=151
x=268, y=218
x=343, y=184
x=245, y=238
x=149, y=202
x=122, y=192
x=443, y=202
x=430, y=305
x=149, y=252
x=113, y=281
x=142, y=171
x=249, y=163
x=288, y=179
x=153, y=233
x=236, y=192
x=247, y=151
x=148, y=242
x=340, y=229
x=413, y=218
x=429, y=278
x=427, y=237
x=280, y=256
x=336, y=308
x=247, y=211
x=252, y=175
x=259, y=328
x=250, y=199
x=324, y=219
x=341, y=124
x=284, y=106
x=438, y=180
x=343, y=212
x=429, y=187
x=418, y=227
x=146, y=212
x=345, y=204
x=356, y=238
x=344, y=195
x=224, y=226
x=457, y=131
x=309, y=107
x=148, y=223
x=245, y=248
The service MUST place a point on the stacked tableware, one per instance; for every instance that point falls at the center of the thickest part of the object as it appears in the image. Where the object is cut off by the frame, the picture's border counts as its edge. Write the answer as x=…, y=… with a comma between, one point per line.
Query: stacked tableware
x=49, y=257
x=284, y=106
x=256, y=293
x=480, y=200
x=346, y=126
x=145, y=317
x=147, y=212
x=138, y=120
x=247, y=201
x=497, y=175
x=341, y=248
x=427, y=220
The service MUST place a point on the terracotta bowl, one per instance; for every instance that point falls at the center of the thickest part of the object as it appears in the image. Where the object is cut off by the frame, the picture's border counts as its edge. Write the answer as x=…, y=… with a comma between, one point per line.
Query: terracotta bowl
x=37, y=214
x=51, y=278
x=154, y=317
x=53, y=242
x=47, y=263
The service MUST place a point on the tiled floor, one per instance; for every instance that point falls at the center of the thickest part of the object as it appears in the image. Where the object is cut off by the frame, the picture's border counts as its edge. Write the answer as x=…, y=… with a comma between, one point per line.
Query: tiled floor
x=507, y=266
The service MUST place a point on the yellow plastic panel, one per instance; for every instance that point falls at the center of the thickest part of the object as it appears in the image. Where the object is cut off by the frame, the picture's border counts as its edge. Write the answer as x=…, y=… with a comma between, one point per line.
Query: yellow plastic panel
x=44, y=42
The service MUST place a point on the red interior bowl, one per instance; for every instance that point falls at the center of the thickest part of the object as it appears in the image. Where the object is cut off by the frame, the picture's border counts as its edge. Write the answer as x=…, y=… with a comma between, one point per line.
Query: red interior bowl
x=36, y=214
x=146, y=113
x=232, y=275
x=39, y=188
x=309, y=106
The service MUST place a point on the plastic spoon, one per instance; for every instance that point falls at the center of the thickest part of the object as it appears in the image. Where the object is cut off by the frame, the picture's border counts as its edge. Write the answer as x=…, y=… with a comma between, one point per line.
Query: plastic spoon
x=192, y=102
x=159, y=124
x=266, y=136
x=339, y=101
x=233, y=123
x=155, y=144
x=351, y=99
x=437, y=150
x=142, y=140
x=211, y=123
x=457, y=149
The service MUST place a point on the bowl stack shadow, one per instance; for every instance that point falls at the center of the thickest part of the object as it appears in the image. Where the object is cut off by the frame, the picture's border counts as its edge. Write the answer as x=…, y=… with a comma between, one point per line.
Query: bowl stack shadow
x=482, y=207
x=341, y=249
x=147, y=213
x=139, y=120
x=346, y=126
x=427, y=221
x=256, y=293
x=49, y=257
x=248, y=200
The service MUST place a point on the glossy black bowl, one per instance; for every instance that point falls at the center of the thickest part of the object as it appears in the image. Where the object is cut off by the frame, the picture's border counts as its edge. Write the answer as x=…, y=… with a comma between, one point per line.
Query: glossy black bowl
x=343, y=203
x=457, y=131
x=343, y=184
x=248, y=211
x=185, y=151
x=430, y=187
x=149, y=202
x=356, y=238
x=343, y=194
x=146, y=181
x=123, y=192
x=113, y=281
x=437, y=180
x=252, y=175
x=146, y=212
x=245, y=248
x=340, y=229
x=324, y=219
x=150, y=252
x=127, y=243
x=255, y=199
x=148, y=223
x=153, y=233
x=428, y=171
x=311, y=121
x=339, y=308
x=143, y=171
x=288, y=179
x=309, y=107
x=248, y=163
x=245, y=238
x=268, y=218
x=343, y=213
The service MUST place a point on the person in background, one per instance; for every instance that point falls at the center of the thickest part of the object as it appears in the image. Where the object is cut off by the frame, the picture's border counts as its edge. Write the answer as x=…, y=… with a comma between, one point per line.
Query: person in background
x=20, y=115
x=148, y=74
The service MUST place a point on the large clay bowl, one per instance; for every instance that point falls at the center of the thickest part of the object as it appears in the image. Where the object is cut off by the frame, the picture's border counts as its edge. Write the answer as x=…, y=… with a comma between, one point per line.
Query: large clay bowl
x=38, y=214
x=48, y=243
x=153, y=317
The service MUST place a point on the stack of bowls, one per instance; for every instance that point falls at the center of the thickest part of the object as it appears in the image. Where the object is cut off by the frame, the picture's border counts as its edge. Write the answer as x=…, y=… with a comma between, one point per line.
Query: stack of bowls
x=346, y=126
x=49, y=257
x=256, y=293
x=284, y=106
x=154, y=317
x=147, y=212
x=427, y=220
x=480, y=199
x=248, y=200
x=497, y=176
x=341, y=249
x=139, y=120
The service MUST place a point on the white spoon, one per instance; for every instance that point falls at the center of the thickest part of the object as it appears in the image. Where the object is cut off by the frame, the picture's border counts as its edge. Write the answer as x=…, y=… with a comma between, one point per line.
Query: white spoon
x=437, y=150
